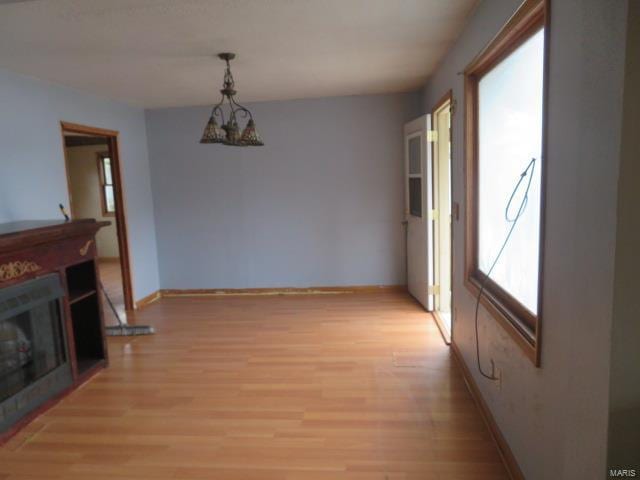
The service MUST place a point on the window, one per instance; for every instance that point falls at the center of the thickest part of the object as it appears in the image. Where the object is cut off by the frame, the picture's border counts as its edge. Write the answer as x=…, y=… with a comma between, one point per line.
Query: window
x=415, y=176
x=107, y=194
x=505, y=120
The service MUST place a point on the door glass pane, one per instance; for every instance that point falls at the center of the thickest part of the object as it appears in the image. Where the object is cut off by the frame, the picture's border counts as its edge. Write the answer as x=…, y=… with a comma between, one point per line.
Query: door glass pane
x=414, y=156
x=108, y=179
x=510, y=134
x=415, y=197
x=109, y=197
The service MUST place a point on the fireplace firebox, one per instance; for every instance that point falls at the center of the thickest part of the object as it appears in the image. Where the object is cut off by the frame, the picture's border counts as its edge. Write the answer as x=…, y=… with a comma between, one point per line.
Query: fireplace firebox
x=33, y=360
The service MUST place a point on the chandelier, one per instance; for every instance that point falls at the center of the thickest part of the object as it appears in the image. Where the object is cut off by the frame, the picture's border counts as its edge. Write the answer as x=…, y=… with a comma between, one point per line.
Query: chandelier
x=228, y=132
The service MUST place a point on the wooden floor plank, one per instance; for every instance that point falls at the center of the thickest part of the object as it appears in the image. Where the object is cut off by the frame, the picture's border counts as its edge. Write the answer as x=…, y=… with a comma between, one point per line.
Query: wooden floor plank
x=340, y=387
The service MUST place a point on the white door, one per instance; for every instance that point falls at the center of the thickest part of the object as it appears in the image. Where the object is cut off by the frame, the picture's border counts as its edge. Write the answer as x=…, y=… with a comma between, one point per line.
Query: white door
x=418, y=205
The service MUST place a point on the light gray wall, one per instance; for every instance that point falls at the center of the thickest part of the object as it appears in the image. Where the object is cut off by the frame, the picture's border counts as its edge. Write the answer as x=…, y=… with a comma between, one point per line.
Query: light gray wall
x=320, y=204
x=84, y=183
x=555, y=417
x=624, y=419
x=32, y=170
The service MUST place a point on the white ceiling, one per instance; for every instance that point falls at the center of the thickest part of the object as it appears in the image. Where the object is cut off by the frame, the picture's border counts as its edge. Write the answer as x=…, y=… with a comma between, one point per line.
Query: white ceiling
x=159, y=53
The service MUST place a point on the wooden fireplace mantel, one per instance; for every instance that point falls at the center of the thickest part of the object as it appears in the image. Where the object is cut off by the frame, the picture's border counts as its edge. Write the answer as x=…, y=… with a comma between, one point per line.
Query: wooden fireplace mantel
x=32, y=249
x=28, y=233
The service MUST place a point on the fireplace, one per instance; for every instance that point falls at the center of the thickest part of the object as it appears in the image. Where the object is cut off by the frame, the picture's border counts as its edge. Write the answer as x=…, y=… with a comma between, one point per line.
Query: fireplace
x=34, y=366
x=51, y=327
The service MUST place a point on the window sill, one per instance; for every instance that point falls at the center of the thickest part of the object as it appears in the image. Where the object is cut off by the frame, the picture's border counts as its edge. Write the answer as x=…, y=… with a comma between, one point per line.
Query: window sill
x=520, y=333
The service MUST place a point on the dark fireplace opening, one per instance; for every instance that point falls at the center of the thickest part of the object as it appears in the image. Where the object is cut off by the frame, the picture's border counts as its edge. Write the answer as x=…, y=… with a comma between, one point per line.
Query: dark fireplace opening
x=30, y=347
x=33, y=363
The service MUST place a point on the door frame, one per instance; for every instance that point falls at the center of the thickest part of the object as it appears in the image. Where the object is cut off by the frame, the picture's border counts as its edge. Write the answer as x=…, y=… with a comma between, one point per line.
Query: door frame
x=120, y=214
x=446, y=98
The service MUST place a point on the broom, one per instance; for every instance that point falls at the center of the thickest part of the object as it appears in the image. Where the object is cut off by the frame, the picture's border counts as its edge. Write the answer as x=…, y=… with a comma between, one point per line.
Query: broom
x=122, y=329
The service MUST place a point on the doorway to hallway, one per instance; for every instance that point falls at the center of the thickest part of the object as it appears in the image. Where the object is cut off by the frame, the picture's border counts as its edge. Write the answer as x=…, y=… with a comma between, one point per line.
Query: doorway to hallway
x=442, y=244
x=95, y=191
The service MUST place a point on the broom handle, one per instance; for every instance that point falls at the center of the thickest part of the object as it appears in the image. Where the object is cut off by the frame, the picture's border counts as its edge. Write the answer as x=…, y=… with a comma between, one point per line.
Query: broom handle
x=113, y=309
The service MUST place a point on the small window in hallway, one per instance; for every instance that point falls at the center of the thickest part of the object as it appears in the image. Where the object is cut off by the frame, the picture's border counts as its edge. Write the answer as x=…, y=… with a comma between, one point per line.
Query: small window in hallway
x=106, y=184
x=504, y=100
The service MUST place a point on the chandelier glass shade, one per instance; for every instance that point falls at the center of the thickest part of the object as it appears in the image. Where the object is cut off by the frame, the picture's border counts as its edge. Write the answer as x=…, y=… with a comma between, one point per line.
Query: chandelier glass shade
x=227, y=131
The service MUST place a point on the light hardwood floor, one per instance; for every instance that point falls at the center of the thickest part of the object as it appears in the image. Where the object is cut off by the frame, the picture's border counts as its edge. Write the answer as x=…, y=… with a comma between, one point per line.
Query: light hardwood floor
x=324, y=387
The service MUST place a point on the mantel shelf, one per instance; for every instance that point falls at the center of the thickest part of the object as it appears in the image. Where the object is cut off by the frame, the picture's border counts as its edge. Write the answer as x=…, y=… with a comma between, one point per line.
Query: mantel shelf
x=20, y=235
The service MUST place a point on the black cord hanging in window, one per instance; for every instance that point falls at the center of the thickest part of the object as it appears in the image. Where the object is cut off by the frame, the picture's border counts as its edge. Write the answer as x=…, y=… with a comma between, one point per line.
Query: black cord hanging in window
x=513, y=220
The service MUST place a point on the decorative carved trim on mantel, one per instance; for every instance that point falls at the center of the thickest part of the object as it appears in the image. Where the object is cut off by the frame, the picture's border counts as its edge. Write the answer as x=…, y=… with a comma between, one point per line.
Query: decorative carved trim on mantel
x=13, y=270
x=85, y=248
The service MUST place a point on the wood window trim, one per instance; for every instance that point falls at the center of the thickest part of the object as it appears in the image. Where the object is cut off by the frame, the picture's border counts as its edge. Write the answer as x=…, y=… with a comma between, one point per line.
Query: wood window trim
x=521, y=324
x=101, y=176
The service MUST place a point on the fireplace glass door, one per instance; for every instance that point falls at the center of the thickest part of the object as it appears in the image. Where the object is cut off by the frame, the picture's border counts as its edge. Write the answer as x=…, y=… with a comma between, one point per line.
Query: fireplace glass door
x=32, y=342
x=31, y=345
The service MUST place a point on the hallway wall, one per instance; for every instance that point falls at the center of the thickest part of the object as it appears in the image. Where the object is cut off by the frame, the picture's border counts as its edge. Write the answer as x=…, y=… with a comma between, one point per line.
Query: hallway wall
x=555, y=417
x=624, y=407
x=84, y=181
